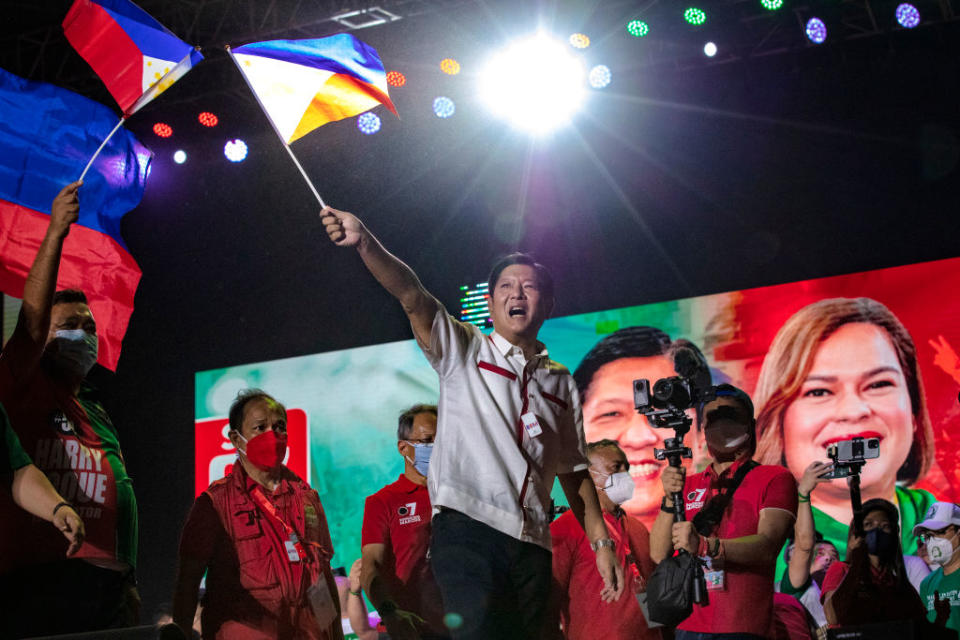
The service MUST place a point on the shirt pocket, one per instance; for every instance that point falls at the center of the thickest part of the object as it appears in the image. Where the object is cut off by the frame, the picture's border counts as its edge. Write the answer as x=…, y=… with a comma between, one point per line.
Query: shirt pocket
x=257, y=559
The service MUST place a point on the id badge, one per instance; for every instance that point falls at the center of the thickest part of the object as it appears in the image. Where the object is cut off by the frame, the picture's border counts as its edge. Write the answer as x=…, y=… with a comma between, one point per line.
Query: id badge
x=531, y=424
x=714, y=577
x=291, y=548
x=324, y=610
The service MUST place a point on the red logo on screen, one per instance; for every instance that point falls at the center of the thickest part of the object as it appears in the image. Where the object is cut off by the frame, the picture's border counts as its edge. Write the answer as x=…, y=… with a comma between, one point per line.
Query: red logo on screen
x=215, y=454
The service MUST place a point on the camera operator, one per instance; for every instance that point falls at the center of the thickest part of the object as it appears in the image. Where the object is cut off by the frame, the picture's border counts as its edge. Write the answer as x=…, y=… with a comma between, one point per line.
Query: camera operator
x=871, y=585
x=739, y=538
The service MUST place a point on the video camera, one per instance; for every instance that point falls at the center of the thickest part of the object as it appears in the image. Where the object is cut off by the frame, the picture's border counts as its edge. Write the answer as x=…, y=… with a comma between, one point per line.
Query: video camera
x=666, y=404
x=849, y=456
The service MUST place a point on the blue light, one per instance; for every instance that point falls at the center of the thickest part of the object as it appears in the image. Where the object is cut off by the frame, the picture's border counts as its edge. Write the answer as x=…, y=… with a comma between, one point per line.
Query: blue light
x=600, y=76
x=235, y=150
x=368, y=123
x=444, y=107
x=816, y=30
x=908, y=15
x=180, y=156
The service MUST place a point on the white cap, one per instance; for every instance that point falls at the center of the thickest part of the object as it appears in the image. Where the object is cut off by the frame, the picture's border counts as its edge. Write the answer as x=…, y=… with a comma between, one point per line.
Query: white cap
x=939, y=516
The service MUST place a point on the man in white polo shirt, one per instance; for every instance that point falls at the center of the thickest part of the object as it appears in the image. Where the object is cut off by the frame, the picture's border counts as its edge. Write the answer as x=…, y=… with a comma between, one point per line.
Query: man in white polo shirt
x=509, y=423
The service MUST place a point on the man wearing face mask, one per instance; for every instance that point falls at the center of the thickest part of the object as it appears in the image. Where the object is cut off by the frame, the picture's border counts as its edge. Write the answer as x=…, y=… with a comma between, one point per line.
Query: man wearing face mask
x=69, y=436
x=738, y=514
x=940, y=591
x=396, y=536
x=576, y=583
x=261, y=536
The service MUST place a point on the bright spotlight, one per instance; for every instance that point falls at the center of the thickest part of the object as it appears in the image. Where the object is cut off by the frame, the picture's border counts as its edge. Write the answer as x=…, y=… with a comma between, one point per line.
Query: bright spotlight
x=908, y=15
x=235, y=150
x=816, y=30
x=535, y=84
x=180, y=156
x=600, y=76
x=710, y=49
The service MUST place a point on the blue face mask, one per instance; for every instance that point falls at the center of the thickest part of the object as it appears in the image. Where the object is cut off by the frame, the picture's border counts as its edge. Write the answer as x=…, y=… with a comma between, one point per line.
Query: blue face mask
x=421, y=456
x=880, y=543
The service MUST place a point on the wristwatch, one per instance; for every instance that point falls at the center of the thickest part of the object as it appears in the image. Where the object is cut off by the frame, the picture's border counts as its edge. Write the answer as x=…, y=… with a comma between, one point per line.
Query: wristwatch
x=665, y=508
x=602, y=542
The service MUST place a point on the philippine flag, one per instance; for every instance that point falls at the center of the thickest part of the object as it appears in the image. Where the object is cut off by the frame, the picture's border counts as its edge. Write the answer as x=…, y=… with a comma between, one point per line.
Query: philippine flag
x=303, y=84
x=47, y=135
x=135, y=56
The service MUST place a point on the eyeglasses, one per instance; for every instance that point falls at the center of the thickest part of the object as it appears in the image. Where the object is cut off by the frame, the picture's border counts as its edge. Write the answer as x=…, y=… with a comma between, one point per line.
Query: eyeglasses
x=420, y=441
x=926, y=536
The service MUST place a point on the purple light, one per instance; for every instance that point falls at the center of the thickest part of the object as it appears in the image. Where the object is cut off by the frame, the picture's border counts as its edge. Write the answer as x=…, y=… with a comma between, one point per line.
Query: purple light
x=816, y=30
x=908, y=16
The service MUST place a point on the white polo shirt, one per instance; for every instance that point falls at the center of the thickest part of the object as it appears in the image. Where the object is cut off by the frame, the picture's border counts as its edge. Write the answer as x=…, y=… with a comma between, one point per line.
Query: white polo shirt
x=485, y=463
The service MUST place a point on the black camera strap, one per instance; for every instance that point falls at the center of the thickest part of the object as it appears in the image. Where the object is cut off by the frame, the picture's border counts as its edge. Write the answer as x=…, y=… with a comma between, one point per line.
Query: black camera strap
x=708, y=518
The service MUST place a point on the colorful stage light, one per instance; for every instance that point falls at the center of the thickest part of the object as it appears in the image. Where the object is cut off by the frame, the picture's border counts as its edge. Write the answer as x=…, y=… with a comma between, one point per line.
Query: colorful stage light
x=396, y=79
x=368, y=123
x=208, y=119
x=710, y=49
x=638, y=28
x=908, y=15
x=580, y=41
x=180, y=156
x=816, y=30
x=235, y=150
x=444, y=107
x=535, y=83
x=771, y=5
x=163, y=130
x=450, y=66
x=694, y=16
x=600, y=76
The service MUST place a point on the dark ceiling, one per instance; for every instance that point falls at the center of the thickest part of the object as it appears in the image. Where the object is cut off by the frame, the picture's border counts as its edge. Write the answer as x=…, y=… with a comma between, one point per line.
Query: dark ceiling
x=682, y=178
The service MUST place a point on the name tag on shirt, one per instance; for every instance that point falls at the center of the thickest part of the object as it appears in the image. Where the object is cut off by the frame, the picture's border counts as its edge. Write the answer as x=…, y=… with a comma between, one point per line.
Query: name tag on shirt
x=531, y=424
x=714, y=578
x=292, y=554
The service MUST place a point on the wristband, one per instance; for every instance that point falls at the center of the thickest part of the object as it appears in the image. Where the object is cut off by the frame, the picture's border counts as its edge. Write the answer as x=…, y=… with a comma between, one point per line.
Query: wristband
x=61, y=504
x=602, y=542
x=703, y=547
x=665, y=508
x=803, y=498
x=716, y=548
x=354, y=593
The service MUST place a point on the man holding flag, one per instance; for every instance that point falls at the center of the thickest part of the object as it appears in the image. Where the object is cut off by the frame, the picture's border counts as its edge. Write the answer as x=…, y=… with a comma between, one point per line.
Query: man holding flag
x=67, y=432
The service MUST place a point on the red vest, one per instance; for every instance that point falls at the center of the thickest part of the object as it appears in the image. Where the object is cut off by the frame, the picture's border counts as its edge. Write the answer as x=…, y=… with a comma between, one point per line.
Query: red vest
x=264, y=580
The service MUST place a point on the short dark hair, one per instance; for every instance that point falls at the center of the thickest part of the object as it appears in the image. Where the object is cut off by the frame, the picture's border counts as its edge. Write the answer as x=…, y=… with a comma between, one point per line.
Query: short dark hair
x=604, y=444
x=544, y=278
x=66, y=296
x=405, y=422
x=638, y=342
x=240, y=404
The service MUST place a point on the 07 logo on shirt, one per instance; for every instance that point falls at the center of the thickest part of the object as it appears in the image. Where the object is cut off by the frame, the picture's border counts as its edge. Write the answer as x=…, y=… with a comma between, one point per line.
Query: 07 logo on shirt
x=408, y=513
x=695, y=498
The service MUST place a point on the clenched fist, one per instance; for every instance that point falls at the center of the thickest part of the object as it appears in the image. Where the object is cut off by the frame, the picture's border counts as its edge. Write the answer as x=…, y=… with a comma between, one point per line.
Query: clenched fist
x=344, y=229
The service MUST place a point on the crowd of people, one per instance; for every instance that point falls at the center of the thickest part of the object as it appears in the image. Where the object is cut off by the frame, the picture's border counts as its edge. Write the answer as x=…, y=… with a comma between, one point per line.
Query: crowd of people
x=467, y=543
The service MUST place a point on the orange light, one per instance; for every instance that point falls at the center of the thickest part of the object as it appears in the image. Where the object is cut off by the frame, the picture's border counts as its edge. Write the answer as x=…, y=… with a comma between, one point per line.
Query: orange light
x=208, y=119
x=450, y=66
x=396, y=79
x=163, y=130
x=580, y=41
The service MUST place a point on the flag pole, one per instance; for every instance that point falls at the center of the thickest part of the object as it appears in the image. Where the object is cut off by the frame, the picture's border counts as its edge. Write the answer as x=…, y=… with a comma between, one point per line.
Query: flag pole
x=102, y=145
x=286, y=146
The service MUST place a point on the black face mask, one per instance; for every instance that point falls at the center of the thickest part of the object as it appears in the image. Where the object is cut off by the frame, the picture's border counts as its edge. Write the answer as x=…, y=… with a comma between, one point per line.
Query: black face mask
x=880, y=543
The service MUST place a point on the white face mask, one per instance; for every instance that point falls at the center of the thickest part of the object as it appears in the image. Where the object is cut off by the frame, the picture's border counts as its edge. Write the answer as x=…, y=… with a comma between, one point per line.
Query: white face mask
x=940, y=550
x=726, y=437
x=76, y=349
x=619, y=486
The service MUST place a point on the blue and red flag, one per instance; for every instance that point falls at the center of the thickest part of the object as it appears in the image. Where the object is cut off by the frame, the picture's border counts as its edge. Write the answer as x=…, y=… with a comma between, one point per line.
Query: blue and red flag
x=47, y=135
x=304, y=84
x=135, y=56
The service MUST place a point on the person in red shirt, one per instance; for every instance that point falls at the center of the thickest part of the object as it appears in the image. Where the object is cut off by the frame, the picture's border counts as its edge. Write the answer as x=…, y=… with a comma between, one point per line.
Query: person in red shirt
x=396, y=537
x=871, y=585
x=739, y=536
x=576, y=583
x=261, y=536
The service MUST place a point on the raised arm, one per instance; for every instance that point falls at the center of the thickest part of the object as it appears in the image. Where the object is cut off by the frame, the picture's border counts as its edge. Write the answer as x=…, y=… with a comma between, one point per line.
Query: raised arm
x=346, y=230
x=799, y=567
x=30, y=335
x=581, y=494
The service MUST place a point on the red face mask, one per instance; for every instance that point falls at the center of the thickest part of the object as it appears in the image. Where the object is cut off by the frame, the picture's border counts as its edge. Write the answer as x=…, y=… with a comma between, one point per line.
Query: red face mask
x=266, y=451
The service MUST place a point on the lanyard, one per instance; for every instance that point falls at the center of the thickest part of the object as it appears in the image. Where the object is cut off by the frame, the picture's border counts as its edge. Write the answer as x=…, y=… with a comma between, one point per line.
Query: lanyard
x=292, y=540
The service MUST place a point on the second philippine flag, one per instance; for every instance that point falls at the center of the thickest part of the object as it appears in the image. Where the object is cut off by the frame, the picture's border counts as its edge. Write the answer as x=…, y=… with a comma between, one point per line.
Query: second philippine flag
x=303, y=84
